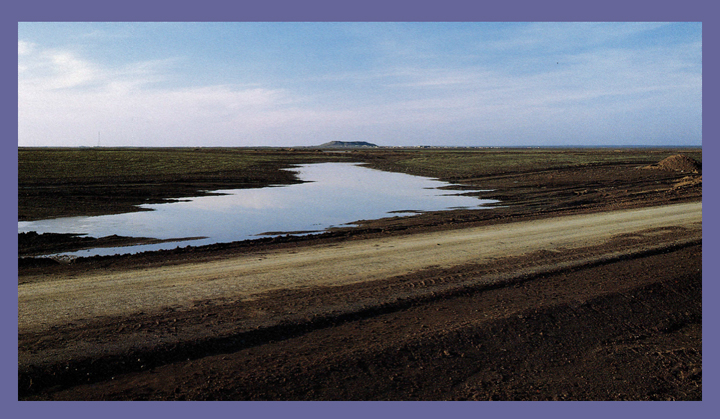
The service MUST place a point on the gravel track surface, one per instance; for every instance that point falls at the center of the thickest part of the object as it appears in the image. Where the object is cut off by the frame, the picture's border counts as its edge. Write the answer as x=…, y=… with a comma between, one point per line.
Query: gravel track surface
x=54, y=301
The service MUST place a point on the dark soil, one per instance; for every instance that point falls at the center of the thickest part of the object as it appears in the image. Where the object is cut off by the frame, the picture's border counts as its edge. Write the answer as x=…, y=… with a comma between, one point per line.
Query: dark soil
x=624, y=328
x=679, y=163
x=524, y=195
x=32, y=243
x=95, y=181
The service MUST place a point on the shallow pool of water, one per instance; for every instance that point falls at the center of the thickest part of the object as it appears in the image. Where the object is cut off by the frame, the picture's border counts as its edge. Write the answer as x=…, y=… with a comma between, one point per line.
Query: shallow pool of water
x=333, y=195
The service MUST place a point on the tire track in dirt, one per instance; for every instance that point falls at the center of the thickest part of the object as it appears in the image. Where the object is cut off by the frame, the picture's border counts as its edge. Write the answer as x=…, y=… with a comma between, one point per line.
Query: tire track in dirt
x=58, y=300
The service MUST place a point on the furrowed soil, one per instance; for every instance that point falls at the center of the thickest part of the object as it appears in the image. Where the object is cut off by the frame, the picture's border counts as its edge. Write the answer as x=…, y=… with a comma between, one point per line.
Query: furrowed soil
x=585, y=284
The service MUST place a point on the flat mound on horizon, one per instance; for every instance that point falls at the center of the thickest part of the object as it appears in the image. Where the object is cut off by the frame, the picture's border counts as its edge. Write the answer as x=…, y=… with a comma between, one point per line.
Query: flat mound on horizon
x=347, y=144
x=678, y=163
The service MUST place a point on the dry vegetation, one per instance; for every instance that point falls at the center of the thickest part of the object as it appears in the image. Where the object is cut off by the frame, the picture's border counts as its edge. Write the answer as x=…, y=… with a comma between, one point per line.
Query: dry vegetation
x=604, y=328
x=93, y=181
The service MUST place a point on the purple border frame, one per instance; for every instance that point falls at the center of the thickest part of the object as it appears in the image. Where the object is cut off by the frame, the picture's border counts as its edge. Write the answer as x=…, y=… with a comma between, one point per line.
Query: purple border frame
x=333, y=10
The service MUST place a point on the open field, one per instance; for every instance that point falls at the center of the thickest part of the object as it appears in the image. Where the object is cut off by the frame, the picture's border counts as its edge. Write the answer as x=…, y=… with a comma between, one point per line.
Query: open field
x=585, y=285
x=92, y=181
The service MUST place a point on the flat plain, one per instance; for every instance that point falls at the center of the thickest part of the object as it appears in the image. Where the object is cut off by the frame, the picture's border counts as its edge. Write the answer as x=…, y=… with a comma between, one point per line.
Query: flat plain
x=583, y=284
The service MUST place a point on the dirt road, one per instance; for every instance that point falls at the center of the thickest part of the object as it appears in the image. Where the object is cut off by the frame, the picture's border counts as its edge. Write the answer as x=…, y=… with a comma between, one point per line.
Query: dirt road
x=58, y=300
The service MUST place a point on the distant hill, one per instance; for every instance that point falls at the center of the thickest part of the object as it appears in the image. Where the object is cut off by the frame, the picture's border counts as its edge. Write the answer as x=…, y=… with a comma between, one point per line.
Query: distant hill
x=347, y=144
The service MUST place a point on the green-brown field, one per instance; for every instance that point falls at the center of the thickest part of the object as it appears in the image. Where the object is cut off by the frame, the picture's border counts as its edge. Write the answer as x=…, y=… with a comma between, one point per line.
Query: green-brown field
x=92, y=181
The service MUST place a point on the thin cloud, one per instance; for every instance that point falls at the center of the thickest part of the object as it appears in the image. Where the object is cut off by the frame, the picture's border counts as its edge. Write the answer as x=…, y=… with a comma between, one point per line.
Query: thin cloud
x=25, y=48
x=79, y=99
x=553, y=37
x=556, y=83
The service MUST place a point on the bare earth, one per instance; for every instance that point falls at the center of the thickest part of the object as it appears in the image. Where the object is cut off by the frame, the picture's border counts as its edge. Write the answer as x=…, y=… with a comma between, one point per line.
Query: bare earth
x=598, y=305
x=56, y=301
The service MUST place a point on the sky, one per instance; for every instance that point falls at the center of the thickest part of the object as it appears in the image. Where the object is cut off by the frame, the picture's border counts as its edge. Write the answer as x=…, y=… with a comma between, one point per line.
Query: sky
x=392, y=84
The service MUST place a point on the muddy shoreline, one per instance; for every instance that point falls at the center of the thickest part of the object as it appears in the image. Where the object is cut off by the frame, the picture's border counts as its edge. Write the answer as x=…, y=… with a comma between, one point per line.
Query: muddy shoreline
x=572, y=325
x=522, y=197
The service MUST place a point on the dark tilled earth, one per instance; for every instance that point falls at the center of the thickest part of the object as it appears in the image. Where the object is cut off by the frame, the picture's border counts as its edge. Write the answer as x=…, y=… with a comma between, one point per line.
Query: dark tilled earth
x=625, y=328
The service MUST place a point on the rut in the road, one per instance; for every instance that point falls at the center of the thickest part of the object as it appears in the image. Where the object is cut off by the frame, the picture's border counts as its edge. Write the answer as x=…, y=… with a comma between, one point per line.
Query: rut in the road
x=44, y=304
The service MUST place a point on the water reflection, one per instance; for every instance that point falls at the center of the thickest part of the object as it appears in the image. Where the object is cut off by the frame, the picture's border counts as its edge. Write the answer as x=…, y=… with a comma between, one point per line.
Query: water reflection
x=335, y=194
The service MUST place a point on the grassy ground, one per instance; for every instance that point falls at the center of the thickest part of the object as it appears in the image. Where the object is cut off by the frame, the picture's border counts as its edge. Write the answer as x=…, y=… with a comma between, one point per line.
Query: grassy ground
x=460, y=164
x=94, y=181
x=135, y=164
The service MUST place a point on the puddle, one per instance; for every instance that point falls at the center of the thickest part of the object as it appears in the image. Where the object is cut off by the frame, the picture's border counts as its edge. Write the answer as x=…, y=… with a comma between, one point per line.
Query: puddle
x=333, y=195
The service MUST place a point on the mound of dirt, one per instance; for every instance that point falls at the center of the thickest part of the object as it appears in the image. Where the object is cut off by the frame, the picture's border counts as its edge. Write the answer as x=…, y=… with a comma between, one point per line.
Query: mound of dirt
x=688, y=182
x=679, y=163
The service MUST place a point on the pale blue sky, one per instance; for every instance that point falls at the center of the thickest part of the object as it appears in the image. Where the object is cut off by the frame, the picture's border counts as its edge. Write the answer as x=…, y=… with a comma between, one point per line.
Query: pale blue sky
x=288, y=84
